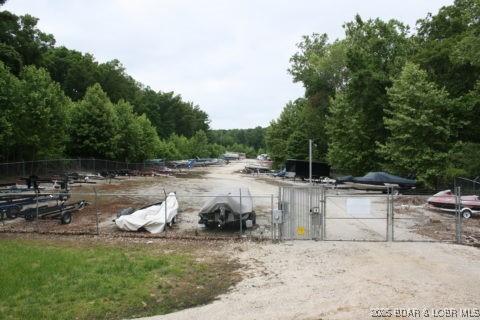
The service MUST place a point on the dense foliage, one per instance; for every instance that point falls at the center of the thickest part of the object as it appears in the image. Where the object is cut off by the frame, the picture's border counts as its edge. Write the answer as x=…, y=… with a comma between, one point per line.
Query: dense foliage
x=386, y=98
x=61, y=102
x=249, y=141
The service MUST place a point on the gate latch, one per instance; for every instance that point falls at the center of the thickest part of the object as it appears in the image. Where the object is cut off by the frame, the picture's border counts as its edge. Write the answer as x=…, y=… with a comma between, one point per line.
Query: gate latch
x=315, y=210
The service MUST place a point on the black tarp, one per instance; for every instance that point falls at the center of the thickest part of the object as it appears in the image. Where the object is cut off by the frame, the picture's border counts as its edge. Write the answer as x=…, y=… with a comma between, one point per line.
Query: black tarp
x=379, y=178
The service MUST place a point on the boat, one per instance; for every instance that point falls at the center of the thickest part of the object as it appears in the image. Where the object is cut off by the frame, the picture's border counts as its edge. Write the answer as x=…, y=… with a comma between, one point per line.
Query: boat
x=152, y=218
x=228, y=209
x=377, y=181
x=445, y=201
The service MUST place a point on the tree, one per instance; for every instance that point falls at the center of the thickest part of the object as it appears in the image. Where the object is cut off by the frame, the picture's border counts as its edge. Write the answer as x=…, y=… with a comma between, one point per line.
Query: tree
x=9, y=101
x=376, y=51
x=199, y=145
x=40, y=119
x=447, y=46
x=94, y=129
x=170, y=114
x=130, y=133
x=73, y=70
x=21, y=34
x=321, y=67
x=419, y=123
x=149, y=141
x=349, y=149
x=254, y=137
x=284, y=136
x=116, y=82
x=182, y=146
x=11, y=58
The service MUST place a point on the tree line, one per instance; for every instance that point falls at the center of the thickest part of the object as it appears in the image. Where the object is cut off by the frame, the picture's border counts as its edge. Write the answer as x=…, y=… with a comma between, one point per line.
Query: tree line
x=387, y=98
x=250, y=141
x=61, y=102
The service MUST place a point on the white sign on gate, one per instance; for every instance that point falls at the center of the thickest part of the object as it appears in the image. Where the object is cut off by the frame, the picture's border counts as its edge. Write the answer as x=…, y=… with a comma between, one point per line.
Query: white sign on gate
x=358, y=206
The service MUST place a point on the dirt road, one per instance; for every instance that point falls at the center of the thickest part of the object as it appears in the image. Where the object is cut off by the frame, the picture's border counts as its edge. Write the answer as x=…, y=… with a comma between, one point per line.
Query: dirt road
x=332, y=280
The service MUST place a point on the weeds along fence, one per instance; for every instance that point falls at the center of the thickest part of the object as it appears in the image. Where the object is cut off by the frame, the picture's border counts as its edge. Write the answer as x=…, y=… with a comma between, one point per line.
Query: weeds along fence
x=59, y=166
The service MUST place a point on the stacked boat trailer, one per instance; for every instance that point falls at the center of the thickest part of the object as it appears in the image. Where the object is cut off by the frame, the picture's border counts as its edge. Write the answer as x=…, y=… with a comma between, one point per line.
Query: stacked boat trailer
x=31, y=204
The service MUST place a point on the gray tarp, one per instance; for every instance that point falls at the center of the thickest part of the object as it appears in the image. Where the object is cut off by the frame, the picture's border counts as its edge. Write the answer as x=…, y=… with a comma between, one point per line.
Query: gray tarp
x=230, y=200
x=382, y=178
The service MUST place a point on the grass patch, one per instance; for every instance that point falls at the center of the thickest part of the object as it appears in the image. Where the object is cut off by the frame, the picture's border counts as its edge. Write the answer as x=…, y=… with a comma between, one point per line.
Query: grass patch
x=43, y=280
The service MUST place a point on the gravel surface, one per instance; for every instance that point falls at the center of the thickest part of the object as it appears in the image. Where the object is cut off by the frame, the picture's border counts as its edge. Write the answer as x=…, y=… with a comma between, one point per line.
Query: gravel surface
x=332, y=280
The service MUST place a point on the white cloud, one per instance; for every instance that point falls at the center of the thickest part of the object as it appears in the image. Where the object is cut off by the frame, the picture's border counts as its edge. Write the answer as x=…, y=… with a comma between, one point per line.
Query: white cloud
x=229, y=57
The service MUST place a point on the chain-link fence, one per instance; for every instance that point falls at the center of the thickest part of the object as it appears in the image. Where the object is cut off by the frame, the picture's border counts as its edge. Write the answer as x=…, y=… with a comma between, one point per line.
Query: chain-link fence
x=65, y=166
x=305, y=212
x=143, y=214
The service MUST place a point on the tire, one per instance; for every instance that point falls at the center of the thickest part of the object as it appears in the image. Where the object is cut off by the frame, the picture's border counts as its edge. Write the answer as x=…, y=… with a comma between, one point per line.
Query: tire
x=29, y=215
x=13, y=213
x=253, y=217
x=66, y=218
x=466, y=213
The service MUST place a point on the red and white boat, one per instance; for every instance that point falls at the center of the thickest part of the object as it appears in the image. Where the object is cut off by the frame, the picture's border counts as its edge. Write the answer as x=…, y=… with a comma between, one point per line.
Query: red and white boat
x=445, y=201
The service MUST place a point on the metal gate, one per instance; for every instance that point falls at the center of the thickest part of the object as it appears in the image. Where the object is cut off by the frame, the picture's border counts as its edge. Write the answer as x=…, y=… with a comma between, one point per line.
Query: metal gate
x=321, y=213
x=308, y=212
x=300, y=213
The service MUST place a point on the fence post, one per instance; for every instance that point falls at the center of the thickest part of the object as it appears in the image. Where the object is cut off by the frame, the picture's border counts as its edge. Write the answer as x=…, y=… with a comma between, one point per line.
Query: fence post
x=166, y=215
x=241, y=210
x=324, y=212
x=36, y=211
x=96, y=209
x=458, y=213
x=271, y=218
x=392, y=217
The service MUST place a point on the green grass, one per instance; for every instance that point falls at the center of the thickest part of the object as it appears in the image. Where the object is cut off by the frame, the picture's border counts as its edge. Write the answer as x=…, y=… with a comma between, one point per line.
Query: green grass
x=43, y=280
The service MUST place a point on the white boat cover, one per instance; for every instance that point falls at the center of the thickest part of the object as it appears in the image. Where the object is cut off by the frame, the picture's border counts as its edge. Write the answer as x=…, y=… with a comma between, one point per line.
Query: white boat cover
x=150, y=218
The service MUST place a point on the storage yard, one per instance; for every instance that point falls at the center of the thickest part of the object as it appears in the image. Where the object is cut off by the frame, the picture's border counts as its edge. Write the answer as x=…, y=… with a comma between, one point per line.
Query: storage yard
x=196, y=186
x=306, y=277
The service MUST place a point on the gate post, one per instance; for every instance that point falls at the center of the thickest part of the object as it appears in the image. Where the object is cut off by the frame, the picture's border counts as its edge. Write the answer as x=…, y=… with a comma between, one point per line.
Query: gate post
x=323, y=213
x=390, y=209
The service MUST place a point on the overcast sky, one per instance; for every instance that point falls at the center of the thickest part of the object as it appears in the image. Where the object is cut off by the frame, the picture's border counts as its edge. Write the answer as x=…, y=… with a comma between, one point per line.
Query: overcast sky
x=229, y=57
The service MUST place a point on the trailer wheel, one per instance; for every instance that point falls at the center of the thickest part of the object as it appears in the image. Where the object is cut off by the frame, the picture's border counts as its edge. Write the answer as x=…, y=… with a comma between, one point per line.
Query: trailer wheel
x=66, y=218
x=253, y=217
x=466, y=213
x=29, y=216
x=13, y=213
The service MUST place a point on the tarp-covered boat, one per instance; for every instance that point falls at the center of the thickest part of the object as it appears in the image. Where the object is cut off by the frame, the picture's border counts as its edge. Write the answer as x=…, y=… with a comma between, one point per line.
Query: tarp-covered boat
x=152, y=218
x=227, y=209
x=377, y=180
